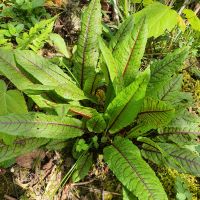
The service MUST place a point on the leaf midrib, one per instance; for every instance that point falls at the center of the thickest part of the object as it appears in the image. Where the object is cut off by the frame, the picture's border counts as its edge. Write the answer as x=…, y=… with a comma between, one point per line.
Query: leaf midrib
x=132, y=50
x=41, y=123
x=170, y=88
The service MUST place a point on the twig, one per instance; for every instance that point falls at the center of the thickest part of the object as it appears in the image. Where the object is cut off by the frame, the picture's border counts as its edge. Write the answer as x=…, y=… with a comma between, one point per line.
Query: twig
x=9, y=197
x=83, y=183
x=186, y=2
x=197, y=8
x=100, y=191
x=115, y=11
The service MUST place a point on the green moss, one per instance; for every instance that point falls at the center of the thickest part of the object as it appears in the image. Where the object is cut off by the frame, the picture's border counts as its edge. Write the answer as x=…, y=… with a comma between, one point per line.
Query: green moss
x=193, y=86
x=167, y=177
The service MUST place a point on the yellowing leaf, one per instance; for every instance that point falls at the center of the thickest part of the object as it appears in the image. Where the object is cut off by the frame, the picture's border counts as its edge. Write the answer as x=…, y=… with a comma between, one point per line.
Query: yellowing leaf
x=181, y=23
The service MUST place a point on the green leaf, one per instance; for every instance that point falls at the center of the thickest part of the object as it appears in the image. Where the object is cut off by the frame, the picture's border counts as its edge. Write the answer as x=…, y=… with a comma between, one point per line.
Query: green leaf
x=7, y=163
x=55, y=145
x=159, y=18
x=127, y=195
x=86, y=112
x=10, y=70
x=179, y=139
x=82, y=168
x=48, y=74
x=163, y=70
x=186, y=160
x=38, y=89
x=59, y=44
x=124, y=159
x=192, y=18
x=113, y=69
x=20, y=146
x=125, y=29
x=129, y=52
x=153, y=114
x=182, y=190
x=40, y=68
x=41, y=125
x=180, y=130
x=37, y=35
x=183, y=129
x=7, y=139
x=156, y=113
x=96, y=124
x=171, y=91
x=87, y=53
x=11, y=101
x=125, y=106
x=92, y=83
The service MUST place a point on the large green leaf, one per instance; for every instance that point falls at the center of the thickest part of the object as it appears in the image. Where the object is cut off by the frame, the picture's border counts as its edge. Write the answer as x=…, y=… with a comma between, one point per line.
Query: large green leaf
x=159, y=18
x=125, y=106
x=170, y=89
x=183, y=135
x=18, y=78
x=19, y=147
x=11, y=101
x=48, y=74
x=83, y=165
x=163, y=70
x=153, y=114
x=112, y=66
x=40, y=68
x=125, y=160
x=11, y=71
x=182, y=159
x=156, y=113
x=87, y=53
x=184, y=118
x=129, y=52
x=127, y=195
x=125, y=29
x=41, y=125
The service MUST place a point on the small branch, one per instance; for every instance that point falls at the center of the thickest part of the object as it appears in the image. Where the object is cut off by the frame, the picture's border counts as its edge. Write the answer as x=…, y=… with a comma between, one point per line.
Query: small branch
x=100, y=191
x=186, y=2
x=115, y=11
x=197, y=8
x=83, y=183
